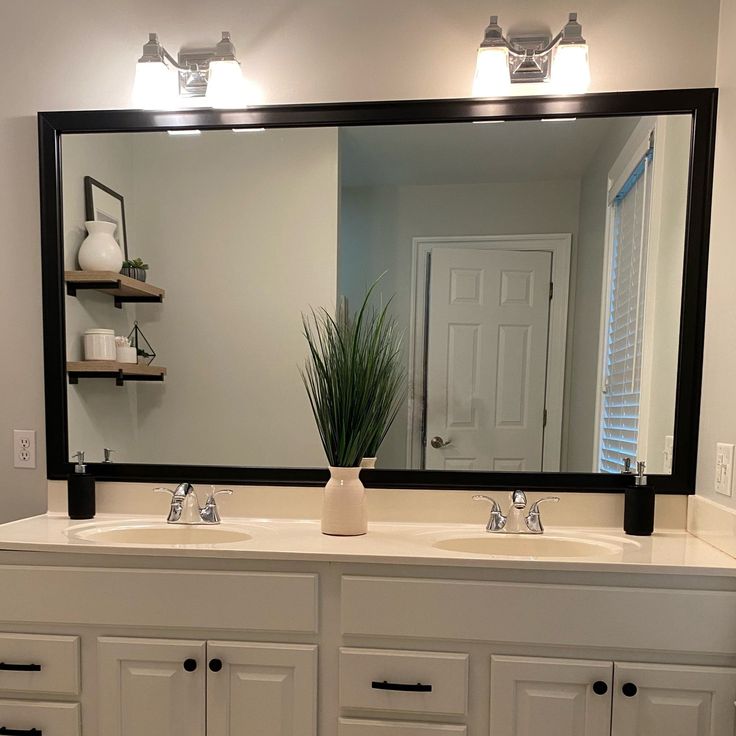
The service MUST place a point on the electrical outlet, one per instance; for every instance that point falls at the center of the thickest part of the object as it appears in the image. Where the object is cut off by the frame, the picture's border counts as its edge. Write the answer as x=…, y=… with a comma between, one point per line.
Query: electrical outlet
x=724, y=468
x=24, y=448
x=669, y=443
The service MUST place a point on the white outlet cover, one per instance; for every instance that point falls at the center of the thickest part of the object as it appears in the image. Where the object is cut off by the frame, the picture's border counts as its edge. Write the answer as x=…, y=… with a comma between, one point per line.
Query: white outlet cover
x=24, y=448
x=724, y=468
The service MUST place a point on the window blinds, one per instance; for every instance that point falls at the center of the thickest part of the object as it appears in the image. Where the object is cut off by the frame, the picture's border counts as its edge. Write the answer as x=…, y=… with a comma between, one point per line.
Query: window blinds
x=625, y=320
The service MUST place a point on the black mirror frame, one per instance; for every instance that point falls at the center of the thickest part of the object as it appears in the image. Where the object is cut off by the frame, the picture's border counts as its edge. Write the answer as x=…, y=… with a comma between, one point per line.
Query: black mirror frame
x=699, y=103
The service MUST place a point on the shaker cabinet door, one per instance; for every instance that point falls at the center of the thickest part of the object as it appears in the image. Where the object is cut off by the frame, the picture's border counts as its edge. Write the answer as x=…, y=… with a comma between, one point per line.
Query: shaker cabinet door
x=261, y=689
x=151, y=687
x=555, y=697
x=650, y=700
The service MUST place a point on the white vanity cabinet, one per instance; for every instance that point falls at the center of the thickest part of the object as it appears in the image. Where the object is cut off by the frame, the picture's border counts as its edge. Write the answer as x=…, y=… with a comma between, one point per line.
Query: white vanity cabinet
x=161, y=687
x=561, y=697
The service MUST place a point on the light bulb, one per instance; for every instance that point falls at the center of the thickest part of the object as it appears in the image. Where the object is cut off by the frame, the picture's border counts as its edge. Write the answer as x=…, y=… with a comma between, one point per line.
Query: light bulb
x=226, y=86
x=491, y=72
x=155, y=86
x=570, y=69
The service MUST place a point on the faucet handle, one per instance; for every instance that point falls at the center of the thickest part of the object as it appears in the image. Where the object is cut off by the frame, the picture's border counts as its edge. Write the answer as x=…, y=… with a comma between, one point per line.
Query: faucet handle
x=496, y=521
x=534, y=518
x=212, y=495
x=495, y=508
x=164, y=490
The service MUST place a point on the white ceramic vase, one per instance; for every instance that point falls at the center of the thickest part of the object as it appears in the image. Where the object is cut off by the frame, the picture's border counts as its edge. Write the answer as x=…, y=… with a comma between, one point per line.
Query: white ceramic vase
x=344, y=509
x=368, y=463
x=99, y=250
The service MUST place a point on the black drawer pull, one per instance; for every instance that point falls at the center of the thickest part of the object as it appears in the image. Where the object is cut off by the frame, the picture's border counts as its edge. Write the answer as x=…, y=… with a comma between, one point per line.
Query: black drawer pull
x=20, y=731
x=20, y=668
x=403, y=688
x=600, y=687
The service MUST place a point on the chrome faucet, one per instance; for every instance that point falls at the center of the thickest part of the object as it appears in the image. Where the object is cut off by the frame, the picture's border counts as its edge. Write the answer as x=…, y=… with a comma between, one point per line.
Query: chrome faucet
x=185, y=508
x=515, y=522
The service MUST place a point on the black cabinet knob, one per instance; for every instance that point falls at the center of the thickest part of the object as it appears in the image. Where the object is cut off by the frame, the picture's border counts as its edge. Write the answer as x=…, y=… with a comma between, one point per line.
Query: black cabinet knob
x=190, y=665
x=600, y=687
x=215, y=665
x=629, y=689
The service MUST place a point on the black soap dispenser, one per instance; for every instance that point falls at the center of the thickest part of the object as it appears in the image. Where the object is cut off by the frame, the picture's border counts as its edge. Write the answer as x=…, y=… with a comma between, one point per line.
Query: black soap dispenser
x=81, y=491
x=639, y=506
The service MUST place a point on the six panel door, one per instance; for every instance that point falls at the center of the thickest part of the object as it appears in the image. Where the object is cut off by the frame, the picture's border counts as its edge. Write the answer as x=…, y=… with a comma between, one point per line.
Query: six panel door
x=261, y=689
x=673, y=700
x=534, y=696
x=487, y=358
x=151, y=687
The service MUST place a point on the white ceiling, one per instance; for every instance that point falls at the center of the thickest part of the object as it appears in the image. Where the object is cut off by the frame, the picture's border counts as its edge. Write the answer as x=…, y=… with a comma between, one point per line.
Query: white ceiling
x=471, y=153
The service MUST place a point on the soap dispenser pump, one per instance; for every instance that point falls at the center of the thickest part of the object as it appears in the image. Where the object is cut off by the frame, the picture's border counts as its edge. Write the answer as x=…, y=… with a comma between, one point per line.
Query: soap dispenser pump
x=639, y=505
x=81, y=491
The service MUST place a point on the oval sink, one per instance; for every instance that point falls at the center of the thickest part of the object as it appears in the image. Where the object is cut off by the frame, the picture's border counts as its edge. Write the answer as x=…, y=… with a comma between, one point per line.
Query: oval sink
x=147, y=535
x=529, y=546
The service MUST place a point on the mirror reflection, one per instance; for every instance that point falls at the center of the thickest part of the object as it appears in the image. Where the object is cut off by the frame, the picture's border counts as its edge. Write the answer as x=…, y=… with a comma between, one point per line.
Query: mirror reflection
x=535, y=268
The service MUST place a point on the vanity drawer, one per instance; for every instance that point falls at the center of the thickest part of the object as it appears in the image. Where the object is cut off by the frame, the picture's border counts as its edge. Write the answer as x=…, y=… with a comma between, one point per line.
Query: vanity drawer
x=52, y=719
x=542, y=613
x=360, y=727
x=245, y=601
x=34, y=663
x=404, y=681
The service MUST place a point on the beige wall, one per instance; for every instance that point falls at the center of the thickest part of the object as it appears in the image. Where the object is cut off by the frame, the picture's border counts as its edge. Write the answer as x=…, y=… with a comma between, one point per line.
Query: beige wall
x=80, y=55
x=718, y=410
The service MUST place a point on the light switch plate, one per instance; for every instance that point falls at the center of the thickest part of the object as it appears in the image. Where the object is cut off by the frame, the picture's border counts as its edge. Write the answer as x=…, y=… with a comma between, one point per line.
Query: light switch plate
x=724, y=468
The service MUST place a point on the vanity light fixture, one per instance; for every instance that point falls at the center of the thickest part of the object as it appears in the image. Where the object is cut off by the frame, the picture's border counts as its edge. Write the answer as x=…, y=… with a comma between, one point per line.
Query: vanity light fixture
x=213, y=75
x=562, y=60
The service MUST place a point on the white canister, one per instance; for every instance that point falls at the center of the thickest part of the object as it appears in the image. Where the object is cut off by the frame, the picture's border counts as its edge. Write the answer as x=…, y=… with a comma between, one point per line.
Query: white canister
x=99, y=344
x=126, y=354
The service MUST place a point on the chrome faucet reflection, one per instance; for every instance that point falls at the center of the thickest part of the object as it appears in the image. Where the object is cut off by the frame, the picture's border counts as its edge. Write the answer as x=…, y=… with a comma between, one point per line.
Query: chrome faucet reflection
x=185, y=508
x=515, y=521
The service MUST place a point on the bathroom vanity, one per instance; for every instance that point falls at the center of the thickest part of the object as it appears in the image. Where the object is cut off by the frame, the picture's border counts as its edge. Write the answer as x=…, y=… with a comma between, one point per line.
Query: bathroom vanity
x=286, y=632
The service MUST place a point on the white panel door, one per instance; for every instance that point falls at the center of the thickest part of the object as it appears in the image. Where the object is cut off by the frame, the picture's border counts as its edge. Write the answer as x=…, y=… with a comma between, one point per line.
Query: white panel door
x=550, y=697
x=486, y=358
x=261, y=689
x=145, y=688
x=659, y=700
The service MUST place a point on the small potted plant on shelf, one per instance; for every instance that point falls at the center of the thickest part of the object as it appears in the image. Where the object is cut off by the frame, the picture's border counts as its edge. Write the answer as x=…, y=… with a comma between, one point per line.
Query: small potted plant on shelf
x=355, y=383
x=135, y=268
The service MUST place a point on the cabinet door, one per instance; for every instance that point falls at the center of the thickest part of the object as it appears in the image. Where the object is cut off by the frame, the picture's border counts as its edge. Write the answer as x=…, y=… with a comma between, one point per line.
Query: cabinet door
x=261, y=689
x=650, y=700
x=147, y=687
x=555, y=697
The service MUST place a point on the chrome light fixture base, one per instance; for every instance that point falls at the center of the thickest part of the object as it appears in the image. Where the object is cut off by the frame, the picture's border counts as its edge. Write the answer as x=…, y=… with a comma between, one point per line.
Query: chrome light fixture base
x=531, y=67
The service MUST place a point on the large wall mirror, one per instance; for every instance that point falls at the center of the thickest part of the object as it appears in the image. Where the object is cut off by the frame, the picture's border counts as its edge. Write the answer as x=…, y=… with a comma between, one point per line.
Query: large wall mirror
x=545, y=260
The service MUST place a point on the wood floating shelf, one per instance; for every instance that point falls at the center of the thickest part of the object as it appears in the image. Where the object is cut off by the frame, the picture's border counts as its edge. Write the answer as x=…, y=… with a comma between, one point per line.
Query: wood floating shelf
x=121, y=288
x=121, y=372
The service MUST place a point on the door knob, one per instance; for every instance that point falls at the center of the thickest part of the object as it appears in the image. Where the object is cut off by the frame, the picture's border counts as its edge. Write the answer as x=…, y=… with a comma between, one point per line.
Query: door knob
x=190, y=665
x=629, y=689
x=600, y=687
x=215, y=665
x=438, y=443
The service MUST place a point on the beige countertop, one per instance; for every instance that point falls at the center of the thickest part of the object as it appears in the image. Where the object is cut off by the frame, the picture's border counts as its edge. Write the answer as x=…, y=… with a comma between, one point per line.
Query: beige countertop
x=396, y=543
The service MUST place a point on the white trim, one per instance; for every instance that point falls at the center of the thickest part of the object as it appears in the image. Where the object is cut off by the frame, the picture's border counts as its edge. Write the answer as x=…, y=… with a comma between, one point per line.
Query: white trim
x=629, y=157
x=560, y=246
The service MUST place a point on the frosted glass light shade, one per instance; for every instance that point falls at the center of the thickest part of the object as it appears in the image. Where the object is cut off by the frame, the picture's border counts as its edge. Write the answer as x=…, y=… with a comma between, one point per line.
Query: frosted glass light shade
x=226, y=86
x=156, y=86
x=492, y=76
x=570, y=69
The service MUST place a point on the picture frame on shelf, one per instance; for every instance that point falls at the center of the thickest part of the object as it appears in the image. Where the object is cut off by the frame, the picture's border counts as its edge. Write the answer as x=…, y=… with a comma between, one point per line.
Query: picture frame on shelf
x=107, y=205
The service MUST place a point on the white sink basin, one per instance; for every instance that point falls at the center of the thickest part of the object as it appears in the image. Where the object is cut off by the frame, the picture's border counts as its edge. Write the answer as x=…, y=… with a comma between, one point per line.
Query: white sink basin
x=156, y=534
x=542, y=545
